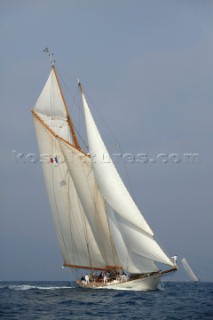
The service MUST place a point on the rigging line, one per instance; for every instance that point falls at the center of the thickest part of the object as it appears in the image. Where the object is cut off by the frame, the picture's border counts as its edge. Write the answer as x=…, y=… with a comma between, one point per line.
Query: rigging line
x=96, y=215
x=100, y=116
x=127, y=257
x=165, y=284
x=60, y=169
x=75, y=102
x=104, y=215
x=85, y=228
x=74, y=196
x=126, y=261
x=150, y=258
x=54, y=142
x=155, y=238
x=81, y=138
x=69, y=216
x=81, y=123
x=114, y=250
x=79, y=116
x=75, y=140
x=74, y=98
x=56, y=205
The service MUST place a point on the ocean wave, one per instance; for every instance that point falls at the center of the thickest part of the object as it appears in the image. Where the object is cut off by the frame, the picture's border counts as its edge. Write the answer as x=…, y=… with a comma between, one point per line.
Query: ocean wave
x=29, y=287
x=3, y=287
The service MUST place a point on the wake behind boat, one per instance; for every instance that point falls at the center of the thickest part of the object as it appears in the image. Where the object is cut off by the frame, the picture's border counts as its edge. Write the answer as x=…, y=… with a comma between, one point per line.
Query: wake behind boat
x=98, y=225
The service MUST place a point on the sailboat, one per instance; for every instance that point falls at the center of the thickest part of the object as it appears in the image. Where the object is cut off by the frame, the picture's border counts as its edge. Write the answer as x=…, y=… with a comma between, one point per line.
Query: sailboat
x=99, y=227
x=190, y=273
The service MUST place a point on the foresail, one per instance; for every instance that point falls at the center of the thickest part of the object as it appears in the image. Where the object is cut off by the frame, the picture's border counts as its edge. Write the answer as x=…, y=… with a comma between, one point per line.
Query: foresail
x=130, y=261
x=109, y=181
x=135, y=233
x=137, y=251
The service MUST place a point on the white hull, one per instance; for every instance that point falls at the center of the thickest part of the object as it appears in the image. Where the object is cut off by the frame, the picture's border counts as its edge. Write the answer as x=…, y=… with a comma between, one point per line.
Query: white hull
x=143, y=284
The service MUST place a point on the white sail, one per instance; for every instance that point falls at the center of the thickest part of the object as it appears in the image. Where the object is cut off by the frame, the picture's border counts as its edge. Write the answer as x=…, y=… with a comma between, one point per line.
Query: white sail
x=130, y=261
x=108, y=178
x=76, y=239
x=189, y=271
x=92, y=201
x=51, y=108
x=50, y=102
x=136, y=233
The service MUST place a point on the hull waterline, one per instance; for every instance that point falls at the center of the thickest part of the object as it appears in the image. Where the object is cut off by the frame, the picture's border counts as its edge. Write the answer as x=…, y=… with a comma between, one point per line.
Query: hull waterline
x=148, y=282
x=143, y=284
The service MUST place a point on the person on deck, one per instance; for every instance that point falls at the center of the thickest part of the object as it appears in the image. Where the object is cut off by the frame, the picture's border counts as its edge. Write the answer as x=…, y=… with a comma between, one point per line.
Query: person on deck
x=174, y=258
x=87, y=279
x=105, y=278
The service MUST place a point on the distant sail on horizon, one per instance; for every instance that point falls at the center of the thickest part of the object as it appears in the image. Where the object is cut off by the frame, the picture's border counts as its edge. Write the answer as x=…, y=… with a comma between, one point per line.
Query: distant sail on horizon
x=189, y=271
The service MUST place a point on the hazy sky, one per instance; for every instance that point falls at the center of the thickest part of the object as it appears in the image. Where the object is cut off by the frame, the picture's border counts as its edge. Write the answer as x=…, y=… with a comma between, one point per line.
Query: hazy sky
x=148, y=68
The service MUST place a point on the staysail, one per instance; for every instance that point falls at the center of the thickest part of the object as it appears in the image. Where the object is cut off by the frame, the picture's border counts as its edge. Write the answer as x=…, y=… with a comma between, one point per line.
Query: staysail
x=190, y=273
x=80, y=168
x=125, y=218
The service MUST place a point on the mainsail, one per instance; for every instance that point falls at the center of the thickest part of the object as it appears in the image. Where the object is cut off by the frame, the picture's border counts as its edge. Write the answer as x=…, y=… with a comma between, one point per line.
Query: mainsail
x=98, y=224
x=189, y=271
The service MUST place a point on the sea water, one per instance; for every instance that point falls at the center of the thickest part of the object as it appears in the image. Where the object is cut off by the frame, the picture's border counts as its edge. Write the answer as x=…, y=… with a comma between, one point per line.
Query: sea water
x=62, y=300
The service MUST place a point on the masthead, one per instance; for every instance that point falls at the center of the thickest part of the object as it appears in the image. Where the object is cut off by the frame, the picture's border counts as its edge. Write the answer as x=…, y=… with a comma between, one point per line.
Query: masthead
x=80, y=86
x=51, y=56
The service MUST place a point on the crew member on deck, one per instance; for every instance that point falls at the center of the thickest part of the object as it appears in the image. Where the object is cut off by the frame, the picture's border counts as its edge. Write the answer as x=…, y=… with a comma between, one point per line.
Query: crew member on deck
x=105, y=278
x=174, y=258
x=87, y=279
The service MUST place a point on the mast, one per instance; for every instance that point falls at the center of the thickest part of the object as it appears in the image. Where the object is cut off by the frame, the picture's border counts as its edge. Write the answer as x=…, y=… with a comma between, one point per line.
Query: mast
x=75, y=140
x=80, y=87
